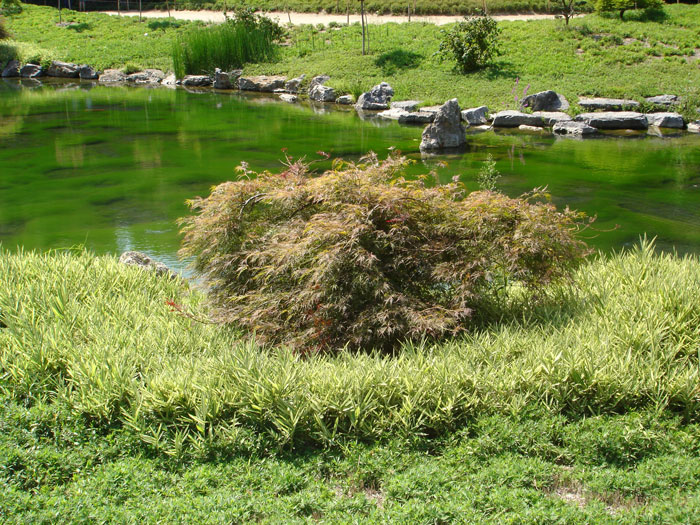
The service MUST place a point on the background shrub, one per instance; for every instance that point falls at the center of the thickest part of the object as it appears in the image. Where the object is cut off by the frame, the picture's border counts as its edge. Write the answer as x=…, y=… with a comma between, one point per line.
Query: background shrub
x=472, y=43
x=363, y=257
x=621, y=6
x=3, y=32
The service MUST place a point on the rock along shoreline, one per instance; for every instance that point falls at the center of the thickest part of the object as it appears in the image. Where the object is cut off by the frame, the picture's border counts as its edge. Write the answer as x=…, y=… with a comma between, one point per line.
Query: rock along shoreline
x=542, y=113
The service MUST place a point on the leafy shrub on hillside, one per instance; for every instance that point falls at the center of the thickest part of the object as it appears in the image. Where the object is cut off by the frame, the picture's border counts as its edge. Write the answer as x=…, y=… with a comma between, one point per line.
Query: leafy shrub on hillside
x=472, y=43
x=361, y=256
x=621, y=6
x=3, y=32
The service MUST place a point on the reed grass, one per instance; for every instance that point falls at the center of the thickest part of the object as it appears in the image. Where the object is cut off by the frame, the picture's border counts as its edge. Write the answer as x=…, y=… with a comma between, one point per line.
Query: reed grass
x=87, y=333
x=226, y=46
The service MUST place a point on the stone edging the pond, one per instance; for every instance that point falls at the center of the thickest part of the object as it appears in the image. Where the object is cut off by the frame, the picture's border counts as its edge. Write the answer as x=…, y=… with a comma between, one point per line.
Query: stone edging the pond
x=548, y=108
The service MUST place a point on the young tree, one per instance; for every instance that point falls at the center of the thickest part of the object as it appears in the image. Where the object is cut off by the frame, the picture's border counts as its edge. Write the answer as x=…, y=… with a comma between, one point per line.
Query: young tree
x=621, y=6
x=567, y=9
x=472, y=43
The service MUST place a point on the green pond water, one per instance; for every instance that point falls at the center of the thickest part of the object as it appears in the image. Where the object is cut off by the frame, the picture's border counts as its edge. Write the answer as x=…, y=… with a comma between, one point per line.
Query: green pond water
x=111, y=168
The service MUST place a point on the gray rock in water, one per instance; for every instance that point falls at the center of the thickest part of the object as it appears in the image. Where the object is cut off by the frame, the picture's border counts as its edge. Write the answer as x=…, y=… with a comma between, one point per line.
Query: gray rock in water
x=663, y=100
x=147, y=76
x=406, y=105
x=552, y=117
x=294, y=85
x=63, y=70
x=392, y=114
x=225, y=79
x=607, y=104
x=318, y=80
x=88, y=73
x=196, y=81
x=321, y=93
x=170, y=81
x=666, y=120
x=475, y=116
x=545, y=101
x=112, y=76
x=377, y=98
x=694, y=127
x=288, y=97
x=446, y=131
x=417, y=117
x=614, y=120
x=430, y=109
x=140, y=259
x=262, y=83
x=11, y=70
x=570, y=127
x=533, y=129
x=345, y=100
x=513, y=119
x=31, y=71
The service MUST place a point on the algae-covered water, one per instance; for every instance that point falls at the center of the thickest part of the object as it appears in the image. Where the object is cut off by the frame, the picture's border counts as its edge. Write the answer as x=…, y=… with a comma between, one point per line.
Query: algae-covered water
x=111, y=168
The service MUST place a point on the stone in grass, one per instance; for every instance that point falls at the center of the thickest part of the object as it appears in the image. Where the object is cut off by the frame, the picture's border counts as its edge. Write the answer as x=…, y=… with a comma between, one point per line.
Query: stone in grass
x=666, y=120
x=345, y=100
x=377, y=98
x=63, y=70
x=112, y=76
x=513, y=119
x=11, y=70
x=262, y=83
x=140, y=259
x=475, y=116
x=614, y=120
x=446, y=131
x=31, y=71
x=607, y=104
x=663, y=100
x=196, y=81
x=88, y=73
x=570, y=127
x=545, y=101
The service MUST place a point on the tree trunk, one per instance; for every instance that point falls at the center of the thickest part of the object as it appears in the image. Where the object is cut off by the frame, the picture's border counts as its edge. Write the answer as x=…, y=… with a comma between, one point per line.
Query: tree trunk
x=362, y=17
x=622, y=12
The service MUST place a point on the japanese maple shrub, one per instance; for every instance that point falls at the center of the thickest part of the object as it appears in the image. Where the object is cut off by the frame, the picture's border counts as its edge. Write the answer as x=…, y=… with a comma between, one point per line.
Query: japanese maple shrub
x=363, y=257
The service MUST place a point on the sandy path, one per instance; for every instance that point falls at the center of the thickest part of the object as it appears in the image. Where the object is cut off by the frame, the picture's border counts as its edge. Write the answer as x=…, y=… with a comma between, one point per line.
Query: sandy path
x=315, y=18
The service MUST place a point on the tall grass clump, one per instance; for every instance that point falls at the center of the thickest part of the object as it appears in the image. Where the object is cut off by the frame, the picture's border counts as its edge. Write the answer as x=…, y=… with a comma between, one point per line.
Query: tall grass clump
x=243, y=39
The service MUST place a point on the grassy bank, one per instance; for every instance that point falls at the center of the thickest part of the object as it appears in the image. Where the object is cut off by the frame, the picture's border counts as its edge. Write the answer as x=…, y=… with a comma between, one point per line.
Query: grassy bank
x=594, y=56
x=115, y=406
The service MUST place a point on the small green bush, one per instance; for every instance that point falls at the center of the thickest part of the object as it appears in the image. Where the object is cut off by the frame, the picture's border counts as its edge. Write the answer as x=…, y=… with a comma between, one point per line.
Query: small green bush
x=363, y=257
x=3, y=32
x=602, y=6
x=472, y=43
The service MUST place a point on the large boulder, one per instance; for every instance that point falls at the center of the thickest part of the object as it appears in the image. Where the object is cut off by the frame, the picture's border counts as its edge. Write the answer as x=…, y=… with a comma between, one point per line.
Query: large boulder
x=112, y=76
x=147, y=76
x=140, y=259
x=321, y=93
x=694, y=127
x=513, y=119
x=447, y=130
x=475, y=116
x=63, y=70
x=663, y=100
x=377, y=98
x=666, y=120
x=11, y=69
x=294, y=85
x=31, y=71
x=552, y=117
x=570, y=127
x=545, y=101
x=226, y=79
x=318, y=80
x=196, y=81
x=607, y=104
x=88, y=73
x=262, y=83
x=614, y=120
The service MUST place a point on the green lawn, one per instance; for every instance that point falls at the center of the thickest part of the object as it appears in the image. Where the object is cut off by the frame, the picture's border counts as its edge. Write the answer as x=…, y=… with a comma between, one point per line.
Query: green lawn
x=594, y=56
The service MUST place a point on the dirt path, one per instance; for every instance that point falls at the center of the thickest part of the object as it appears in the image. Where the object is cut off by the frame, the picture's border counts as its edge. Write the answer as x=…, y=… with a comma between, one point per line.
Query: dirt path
x=315, y=18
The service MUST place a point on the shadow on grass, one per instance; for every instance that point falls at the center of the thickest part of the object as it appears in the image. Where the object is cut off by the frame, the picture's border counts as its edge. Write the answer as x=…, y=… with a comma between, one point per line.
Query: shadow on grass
x=163, y=24
x=397, y=59
x=500, y=69
x=79, y=27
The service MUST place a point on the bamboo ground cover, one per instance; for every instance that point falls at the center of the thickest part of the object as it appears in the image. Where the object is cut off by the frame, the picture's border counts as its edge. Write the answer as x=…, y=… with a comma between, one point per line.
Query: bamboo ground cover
x=115, y=407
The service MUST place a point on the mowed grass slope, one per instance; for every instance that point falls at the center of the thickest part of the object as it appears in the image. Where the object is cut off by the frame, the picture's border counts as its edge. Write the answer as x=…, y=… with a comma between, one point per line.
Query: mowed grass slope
x=594, y=56
x=580, y=407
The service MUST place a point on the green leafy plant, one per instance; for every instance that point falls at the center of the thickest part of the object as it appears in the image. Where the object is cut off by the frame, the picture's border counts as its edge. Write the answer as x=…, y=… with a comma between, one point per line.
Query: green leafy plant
x=621, y=6
x=10, y=7
x=3, y=32
x=472, y=43
x=363, y=257
x=488, y=174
